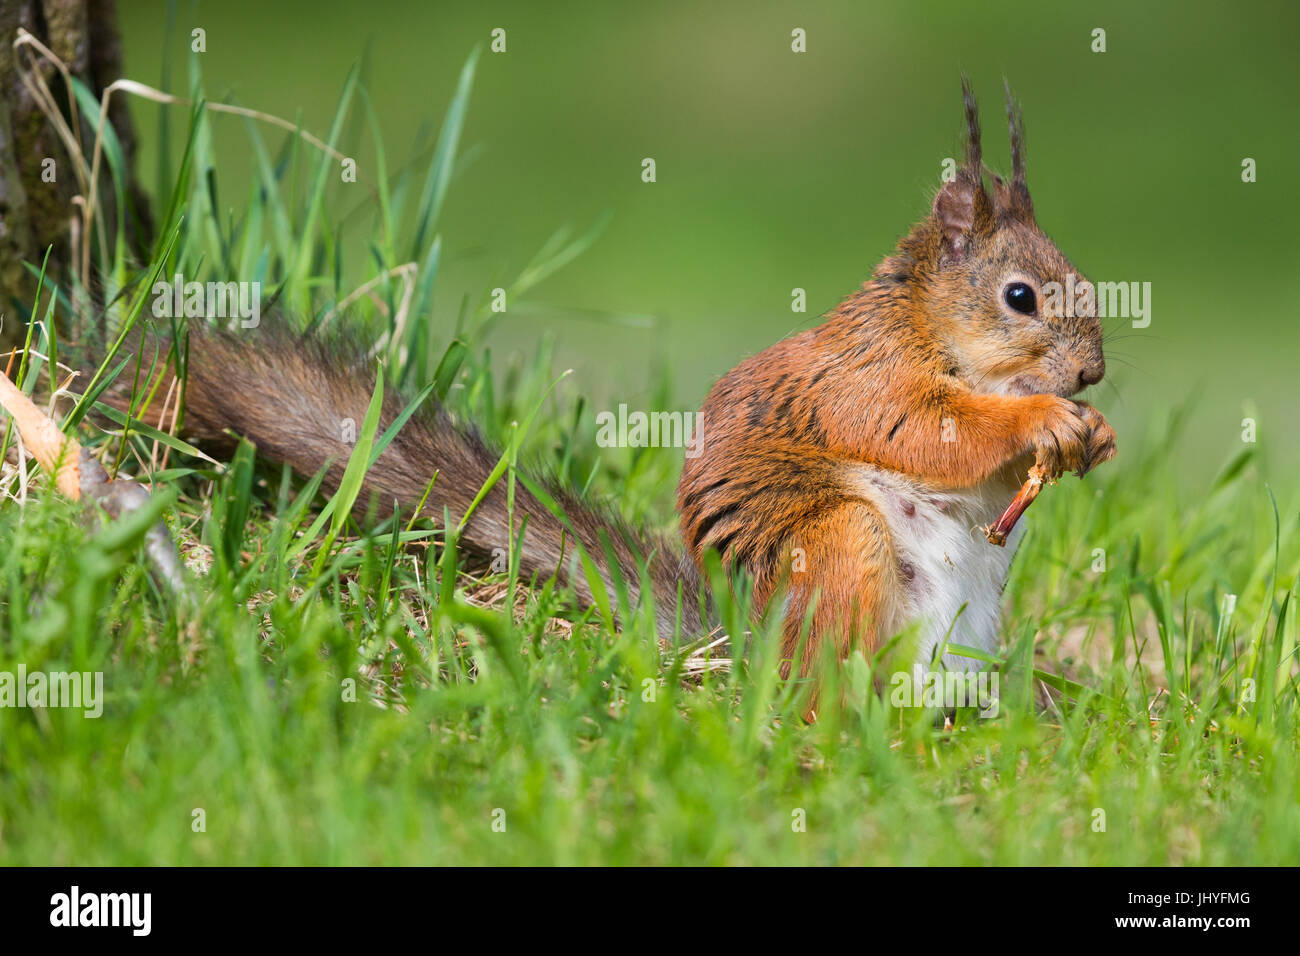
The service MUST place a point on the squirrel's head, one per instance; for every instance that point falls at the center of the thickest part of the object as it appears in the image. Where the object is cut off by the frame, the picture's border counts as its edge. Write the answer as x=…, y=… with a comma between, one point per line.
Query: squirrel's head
x=992, y=286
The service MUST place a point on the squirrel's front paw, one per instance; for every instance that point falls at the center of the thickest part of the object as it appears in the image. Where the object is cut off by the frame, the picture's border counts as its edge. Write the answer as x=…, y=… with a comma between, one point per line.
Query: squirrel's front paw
x=1074, y=437
x=1101, y=437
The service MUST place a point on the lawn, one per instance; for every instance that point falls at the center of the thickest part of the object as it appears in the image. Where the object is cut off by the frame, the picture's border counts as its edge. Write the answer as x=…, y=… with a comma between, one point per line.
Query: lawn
x=334, y=686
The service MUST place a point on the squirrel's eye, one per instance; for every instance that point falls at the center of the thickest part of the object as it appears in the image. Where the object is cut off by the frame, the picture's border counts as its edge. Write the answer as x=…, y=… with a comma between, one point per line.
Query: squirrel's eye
x=1021, y=298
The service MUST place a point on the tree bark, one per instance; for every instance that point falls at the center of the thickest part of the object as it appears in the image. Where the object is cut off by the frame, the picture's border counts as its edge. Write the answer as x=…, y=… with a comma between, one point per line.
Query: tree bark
x=36, y=214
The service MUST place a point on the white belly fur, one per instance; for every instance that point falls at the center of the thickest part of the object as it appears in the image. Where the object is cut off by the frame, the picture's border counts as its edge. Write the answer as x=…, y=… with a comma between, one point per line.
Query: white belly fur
x=939, y=536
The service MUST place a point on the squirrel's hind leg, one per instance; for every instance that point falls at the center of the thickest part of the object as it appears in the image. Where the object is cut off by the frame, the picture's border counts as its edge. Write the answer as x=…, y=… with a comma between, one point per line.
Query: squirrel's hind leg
x=845, y=563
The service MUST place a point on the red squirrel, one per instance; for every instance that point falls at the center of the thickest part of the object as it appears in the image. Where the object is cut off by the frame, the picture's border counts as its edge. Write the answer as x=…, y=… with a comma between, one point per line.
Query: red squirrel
x=848, y=469
x=881, y=441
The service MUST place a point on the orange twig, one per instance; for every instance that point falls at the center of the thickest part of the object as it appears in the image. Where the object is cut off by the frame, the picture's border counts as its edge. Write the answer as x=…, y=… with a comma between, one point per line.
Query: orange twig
x=998, y=531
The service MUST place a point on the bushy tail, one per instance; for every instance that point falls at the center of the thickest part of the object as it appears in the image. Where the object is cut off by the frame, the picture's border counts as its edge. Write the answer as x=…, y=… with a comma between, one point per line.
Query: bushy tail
x=293, y=399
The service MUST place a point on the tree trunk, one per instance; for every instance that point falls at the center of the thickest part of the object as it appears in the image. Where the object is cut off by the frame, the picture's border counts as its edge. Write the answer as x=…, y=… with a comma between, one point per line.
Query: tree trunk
x=36, y=214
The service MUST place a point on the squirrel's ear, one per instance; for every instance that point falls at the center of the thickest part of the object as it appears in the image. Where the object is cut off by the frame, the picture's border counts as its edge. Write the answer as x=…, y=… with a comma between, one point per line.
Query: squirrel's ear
x=962, y=212
x=962, y=208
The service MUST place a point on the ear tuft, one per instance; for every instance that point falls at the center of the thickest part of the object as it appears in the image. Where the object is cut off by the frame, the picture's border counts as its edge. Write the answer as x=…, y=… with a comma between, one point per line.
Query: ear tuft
x=1011, y=200
x=962, y=208
x=972, y=127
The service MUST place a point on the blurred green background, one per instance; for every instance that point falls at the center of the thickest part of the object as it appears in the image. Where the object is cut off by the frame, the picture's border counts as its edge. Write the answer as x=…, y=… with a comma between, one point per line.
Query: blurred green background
x=778, y=170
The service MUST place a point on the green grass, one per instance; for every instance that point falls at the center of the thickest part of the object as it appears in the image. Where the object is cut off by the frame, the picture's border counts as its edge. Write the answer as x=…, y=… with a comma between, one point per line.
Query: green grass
x=339, y=692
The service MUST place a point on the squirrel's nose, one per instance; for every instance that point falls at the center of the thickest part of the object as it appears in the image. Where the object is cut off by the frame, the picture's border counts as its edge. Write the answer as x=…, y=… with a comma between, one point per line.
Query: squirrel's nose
x=1091, y=375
